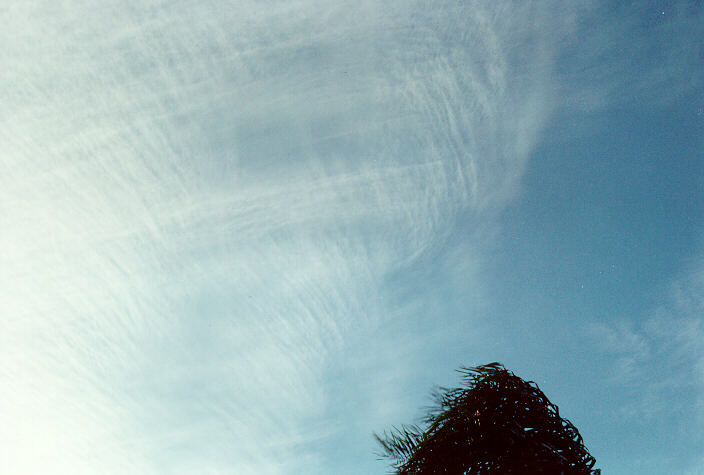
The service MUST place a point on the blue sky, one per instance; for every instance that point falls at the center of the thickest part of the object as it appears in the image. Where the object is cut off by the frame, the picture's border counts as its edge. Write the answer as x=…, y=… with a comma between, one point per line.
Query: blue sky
x=240, y=237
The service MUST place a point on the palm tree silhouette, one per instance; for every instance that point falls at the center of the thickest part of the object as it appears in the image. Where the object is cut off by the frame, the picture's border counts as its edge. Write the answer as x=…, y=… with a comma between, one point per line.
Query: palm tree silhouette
x=495, y=423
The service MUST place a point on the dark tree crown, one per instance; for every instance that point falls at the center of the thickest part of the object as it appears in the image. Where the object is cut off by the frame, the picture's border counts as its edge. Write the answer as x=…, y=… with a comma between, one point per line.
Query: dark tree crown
x=495, y=423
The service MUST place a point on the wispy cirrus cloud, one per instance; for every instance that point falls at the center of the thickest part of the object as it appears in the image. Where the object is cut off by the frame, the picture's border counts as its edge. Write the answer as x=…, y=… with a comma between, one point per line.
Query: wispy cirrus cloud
x=657, y=362
x=198, y=204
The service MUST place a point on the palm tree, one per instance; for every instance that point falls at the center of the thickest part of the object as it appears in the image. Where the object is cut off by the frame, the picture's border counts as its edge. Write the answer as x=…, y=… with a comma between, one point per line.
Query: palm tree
x=495, y=423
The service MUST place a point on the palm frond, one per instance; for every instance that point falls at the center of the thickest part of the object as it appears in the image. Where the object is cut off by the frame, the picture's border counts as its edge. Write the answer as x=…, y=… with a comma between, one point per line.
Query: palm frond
x=493, y=421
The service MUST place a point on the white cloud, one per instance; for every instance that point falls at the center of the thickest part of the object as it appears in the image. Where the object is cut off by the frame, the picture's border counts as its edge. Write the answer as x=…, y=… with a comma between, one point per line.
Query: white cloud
x=198, y=203
x=663, y=355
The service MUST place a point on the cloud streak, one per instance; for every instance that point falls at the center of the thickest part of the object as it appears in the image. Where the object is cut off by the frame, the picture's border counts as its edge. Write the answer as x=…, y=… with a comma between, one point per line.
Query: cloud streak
x=662, y=356
x=199, y=203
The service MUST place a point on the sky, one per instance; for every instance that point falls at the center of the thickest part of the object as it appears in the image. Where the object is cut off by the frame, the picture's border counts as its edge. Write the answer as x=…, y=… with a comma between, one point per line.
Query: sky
x=240, y=237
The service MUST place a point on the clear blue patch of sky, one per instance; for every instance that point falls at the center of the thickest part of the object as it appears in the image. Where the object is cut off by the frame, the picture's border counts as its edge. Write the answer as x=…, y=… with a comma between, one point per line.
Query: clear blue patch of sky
x=607, y=219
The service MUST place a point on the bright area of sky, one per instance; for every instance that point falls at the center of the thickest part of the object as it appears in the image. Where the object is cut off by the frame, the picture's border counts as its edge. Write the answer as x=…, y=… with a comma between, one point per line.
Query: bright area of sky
x=240, y=237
